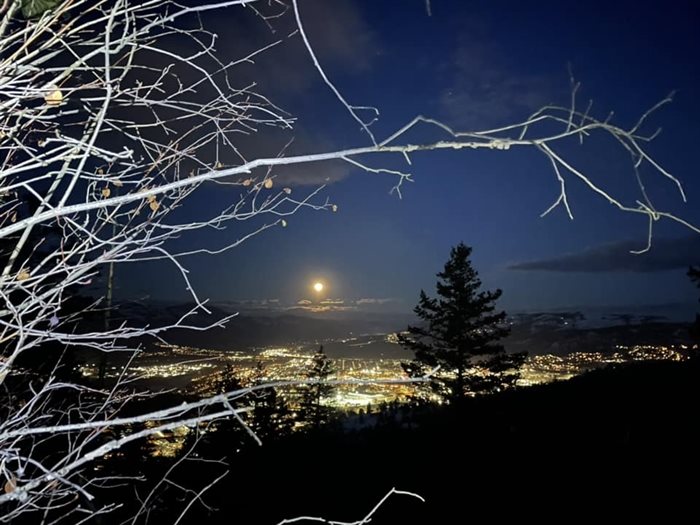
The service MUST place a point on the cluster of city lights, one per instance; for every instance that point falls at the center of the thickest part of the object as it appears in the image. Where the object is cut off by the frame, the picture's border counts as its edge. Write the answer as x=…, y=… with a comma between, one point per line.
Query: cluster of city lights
x=201, y=372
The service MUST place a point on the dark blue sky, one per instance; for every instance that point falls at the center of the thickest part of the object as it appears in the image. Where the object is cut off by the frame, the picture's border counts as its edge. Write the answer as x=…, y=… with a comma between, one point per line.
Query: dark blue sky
x=472, y=65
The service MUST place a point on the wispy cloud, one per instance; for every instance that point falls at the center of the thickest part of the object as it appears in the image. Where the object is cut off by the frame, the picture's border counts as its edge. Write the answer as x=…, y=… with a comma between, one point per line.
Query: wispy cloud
x=485, y=87
x=366, y=304
x=344, y=43
x=666, y=254
x=274, y=142
x=337, y=302
x=341, y=38
x=373, y=300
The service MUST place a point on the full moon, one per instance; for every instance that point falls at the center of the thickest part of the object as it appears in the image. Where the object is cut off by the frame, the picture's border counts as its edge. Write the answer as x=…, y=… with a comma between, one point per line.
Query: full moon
x=318, y=286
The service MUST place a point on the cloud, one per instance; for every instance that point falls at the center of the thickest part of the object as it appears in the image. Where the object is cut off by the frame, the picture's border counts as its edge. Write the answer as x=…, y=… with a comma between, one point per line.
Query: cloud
x=345, y=45
x=341, y=38
x=277, y=306
x=312, y=174
x=275, y=142
x=372, y=300
x=325, y=305
x=333, y=302
x=255, y=302
x=317, y=308
x=340, y=34
x=280, y=80
x=485, y=88
x=665, y=254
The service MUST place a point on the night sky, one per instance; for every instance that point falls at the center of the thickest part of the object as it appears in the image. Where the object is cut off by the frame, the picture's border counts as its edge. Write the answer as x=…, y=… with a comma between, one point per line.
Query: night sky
x=472, y=65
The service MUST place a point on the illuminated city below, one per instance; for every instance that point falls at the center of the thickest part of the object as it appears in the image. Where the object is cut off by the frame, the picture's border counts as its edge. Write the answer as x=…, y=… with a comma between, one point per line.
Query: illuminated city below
x=199, y=372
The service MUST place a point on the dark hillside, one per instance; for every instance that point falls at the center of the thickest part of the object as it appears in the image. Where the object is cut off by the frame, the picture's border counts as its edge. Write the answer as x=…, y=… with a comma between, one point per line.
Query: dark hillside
x=615, y=445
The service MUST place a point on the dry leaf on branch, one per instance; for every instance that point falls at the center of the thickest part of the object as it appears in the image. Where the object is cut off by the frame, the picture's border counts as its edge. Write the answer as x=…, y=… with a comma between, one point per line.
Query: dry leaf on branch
x=10, y=485
x=54, y=97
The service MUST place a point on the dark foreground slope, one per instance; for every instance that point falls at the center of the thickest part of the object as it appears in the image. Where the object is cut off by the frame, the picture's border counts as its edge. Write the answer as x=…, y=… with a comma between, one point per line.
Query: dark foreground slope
x=616, y=445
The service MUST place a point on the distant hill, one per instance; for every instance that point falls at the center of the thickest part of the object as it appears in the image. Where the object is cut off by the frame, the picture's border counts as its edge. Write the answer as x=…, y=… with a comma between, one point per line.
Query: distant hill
x=247, y=331
x=535, y=333
x=560, y=340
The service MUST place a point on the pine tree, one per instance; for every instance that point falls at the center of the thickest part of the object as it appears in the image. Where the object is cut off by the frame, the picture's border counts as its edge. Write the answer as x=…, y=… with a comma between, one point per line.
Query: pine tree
x=227, y=380
x=227, y=434
x=694, y=274
x=271, y=414
x=460, y=333
x=312, y=409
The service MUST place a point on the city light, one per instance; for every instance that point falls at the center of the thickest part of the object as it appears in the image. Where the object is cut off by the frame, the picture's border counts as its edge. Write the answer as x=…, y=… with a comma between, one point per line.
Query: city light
x=200, y=371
